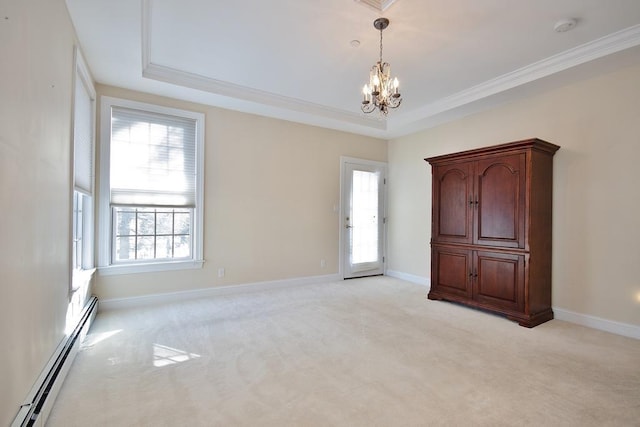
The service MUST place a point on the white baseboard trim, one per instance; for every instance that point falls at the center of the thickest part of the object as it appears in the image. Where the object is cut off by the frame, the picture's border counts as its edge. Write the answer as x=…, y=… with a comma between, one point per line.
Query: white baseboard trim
x=619, y=328
x=145, y=300
x=419, y=280
x=39, y=402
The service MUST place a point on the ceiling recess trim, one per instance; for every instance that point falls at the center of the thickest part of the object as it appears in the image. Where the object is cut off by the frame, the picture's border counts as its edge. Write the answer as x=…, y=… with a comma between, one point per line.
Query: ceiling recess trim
x=182, y=78
x=607, y=45
x=379, y=5
x=219, y=87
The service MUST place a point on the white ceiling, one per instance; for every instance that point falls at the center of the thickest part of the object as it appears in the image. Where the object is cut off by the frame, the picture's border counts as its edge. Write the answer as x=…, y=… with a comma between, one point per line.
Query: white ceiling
x=293, y=59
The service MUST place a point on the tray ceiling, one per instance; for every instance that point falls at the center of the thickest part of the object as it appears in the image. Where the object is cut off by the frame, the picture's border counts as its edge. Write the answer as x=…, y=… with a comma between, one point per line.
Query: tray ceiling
x=298, y=60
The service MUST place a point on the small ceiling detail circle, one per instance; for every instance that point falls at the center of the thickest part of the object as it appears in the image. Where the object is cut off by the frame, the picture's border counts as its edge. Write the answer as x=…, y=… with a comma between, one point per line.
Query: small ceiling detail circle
x=564, y=25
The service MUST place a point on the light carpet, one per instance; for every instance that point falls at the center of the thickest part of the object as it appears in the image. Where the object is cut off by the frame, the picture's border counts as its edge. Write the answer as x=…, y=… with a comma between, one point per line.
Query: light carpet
x=364, y=352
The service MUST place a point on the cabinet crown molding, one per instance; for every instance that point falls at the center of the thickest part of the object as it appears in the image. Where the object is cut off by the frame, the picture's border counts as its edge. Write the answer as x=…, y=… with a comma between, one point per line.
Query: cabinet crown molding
x=532, y=143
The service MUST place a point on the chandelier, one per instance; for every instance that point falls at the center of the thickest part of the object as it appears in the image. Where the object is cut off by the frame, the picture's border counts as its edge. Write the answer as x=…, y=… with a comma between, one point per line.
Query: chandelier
x=382, y=90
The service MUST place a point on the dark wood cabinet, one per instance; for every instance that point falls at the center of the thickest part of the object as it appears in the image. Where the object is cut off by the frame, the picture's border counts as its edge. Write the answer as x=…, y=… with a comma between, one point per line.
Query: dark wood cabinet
x=491, y=229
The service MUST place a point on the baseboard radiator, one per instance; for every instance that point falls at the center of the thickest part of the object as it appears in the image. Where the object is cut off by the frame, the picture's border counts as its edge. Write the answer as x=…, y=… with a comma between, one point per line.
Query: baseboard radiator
x=36, y=408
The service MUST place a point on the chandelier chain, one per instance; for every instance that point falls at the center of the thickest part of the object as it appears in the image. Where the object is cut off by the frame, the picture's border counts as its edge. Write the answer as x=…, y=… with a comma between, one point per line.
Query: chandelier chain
x=381, y=46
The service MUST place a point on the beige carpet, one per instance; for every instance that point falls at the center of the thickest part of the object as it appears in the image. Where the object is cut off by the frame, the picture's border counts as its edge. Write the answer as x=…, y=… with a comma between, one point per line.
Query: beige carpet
x=365, y=352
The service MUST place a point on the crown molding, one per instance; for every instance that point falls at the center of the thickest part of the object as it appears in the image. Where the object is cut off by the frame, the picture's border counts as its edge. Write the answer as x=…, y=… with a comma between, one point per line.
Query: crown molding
x=219, y=87
x=607, y=45
x=379, y=5
x=452, y=106
x=178, y=77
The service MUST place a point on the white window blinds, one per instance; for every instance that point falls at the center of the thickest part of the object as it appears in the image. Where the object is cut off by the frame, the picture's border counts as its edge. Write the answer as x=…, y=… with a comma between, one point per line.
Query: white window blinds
x=82, y=139
x=153, y=159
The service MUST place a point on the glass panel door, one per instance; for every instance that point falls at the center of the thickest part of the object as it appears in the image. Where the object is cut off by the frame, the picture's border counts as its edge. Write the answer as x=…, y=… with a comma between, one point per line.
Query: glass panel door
x=363, y=210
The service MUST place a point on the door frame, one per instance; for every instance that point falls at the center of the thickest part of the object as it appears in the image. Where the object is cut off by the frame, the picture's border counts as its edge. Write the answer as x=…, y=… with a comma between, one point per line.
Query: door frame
x=341, y=223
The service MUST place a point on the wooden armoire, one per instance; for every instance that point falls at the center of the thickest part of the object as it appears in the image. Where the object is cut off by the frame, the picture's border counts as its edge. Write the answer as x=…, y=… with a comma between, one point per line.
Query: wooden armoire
x=491, y=229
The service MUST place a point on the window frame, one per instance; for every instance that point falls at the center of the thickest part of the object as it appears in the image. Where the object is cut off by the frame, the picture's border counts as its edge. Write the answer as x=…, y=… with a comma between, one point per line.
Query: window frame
x=106, y=265
x=82, y=246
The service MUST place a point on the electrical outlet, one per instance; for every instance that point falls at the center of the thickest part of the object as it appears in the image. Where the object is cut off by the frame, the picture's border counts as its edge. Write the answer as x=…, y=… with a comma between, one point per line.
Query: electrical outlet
x=221, y=272
x=323, y=263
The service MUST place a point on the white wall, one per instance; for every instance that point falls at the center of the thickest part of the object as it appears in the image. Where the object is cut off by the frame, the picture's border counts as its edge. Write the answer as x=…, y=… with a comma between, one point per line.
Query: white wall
x=270, y=191
x=36, y=72
x=596, y=228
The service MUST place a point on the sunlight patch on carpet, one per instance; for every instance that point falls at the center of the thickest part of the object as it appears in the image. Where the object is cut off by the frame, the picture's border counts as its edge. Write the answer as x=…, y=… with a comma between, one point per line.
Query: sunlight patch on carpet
x=164, y=355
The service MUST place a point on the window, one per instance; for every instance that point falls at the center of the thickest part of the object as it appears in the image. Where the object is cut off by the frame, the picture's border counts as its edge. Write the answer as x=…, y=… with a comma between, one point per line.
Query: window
x=150, y=187
x=151, y=233
x=82, y=259
x=79, y=242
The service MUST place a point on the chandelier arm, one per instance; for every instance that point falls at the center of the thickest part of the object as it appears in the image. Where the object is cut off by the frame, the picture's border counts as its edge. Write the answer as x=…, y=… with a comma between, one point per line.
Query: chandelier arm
x=395, y=102
x=368, y=108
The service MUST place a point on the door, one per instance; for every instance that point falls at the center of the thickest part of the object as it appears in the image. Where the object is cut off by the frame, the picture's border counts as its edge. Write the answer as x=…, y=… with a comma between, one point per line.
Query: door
x=453, y=203
x=363, y=222
x=451, y=272
x=499, y=279
x=500, y=214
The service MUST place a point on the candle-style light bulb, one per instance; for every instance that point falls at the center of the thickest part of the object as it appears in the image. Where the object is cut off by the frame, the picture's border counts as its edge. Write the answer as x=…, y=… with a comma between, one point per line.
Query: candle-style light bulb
x=396, y=84
x=376, y=80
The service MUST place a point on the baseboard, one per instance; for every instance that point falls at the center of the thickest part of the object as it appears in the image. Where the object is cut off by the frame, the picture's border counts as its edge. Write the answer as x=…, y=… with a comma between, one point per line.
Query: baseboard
x=619, y=328
x=145, y=300
x=419, y=280
x=38, y=403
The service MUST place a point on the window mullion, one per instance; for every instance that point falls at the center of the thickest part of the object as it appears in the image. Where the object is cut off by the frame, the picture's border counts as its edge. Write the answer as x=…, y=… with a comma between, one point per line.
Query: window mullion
x=173, y=232
x=155, y=233
x=135, y=241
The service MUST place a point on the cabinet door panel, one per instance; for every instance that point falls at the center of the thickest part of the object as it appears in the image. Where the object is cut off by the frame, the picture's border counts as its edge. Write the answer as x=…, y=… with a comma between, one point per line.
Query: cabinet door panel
x=451, y=271
x=452, y=210
x=500, y=212
x=499, y=279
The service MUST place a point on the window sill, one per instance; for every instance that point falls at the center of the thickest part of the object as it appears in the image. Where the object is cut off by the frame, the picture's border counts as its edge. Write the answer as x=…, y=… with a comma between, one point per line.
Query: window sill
x=150, y=267
x=81, y=278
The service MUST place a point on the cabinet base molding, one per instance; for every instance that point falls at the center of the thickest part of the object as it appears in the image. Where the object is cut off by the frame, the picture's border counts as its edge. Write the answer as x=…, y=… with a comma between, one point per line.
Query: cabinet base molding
x=532, y=320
